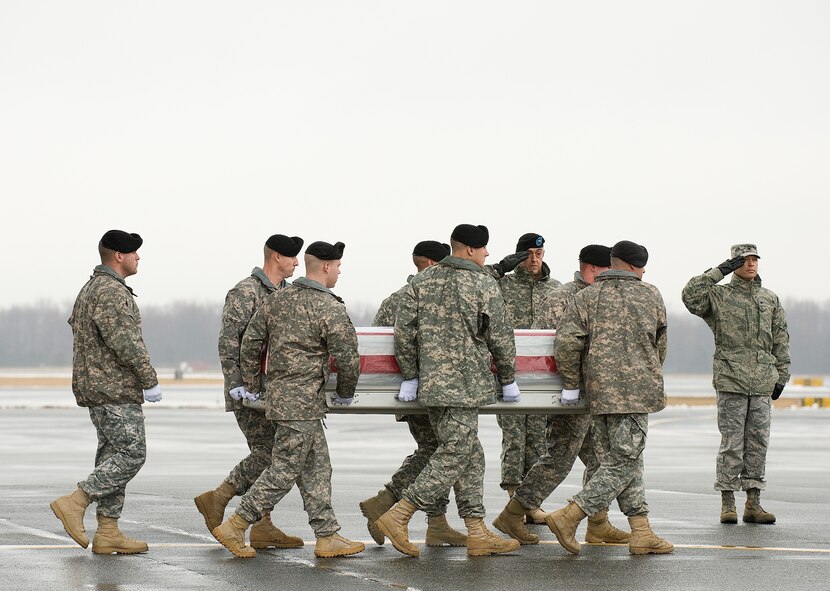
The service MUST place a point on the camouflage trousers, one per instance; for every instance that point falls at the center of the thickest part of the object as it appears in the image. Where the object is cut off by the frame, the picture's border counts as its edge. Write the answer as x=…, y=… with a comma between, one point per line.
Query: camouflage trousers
x=457, y=462
x=259, y=434
x=300, y=456
x=522, y=444
x=421, y=430
x=622, y=439
x=122, y=449
x=567, y=438
x=744, y=424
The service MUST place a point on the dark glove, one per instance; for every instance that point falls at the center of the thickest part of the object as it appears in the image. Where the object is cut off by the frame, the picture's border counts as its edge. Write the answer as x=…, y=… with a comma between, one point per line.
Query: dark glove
x=510, y=262
x=776, y=392
x=726, y=267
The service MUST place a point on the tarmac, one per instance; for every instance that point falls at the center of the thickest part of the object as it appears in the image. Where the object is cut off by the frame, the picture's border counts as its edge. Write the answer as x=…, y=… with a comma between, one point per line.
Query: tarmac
x=44, y=451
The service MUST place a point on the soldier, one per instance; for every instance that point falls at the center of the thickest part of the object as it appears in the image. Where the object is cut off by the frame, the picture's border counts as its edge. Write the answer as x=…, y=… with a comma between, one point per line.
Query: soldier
x=112, y=377
x=303, y=326
x=612, y=343
x=525, y=291
x=450, y=320
x=241, y=302
x=568, y=435
x=750, y=367
x=424, y=255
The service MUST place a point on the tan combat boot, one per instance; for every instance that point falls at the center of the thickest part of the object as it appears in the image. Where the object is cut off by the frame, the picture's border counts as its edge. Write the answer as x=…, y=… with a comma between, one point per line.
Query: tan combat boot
x=336, y=545
x=372, y=508
x=108, y=539
x=265, y=534
x=439, y=532
x=395, y=525
x=482, y=542
x=645, y=541
x=753, y=511
x=509, y=522
x=231, y=534
x=563, y=523
x=211, y=504
x=536, y=516
x=728, y=512
x=600, y=530
x=70, y=510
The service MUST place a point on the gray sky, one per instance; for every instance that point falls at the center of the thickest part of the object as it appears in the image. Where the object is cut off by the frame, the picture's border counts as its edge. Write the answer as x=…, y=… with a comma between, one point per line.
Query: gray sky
x=207, y=126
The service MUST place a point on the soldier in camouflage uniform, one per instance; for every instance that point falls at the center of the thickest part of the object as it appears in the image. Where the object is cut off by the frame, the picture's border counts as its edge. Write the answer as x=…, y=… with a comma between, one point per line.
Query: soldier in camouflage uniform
x=303, y=326
x=425, y=254
x=567, y=435
x=750, y=368
x=612, y=344
x=112, y=377
x=449, y=322
x=525, y=292
x=280, y=260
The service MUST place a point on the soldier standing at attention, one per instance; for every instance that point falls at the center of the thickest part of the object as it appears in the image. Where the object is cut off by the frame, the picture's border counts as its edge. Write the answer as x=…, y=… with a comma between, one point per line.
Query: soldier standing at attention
x=424, y=255
x=241, y=302
x=303, y=326
x=750, y=367
x=525, y=292
x=568, y=435
x=112, y=377
x=449, y=322
x=612, y=342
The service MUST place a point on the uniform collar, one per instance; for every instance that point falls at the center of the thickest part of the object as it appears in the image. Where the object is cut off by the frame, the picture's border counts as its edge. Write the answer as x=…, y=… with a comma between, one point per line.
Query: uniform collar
x=458, y=263
x=109, y=271
x=260, y=274
x=617, y=274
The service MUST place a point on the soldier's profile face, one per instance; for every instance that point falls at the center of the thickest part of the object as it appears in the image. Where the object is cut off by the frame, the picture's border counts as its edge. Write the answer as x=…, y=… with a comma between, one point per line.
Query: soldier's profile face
x=287, y=265
x=749, y=270
x=129, y=263
x=479, y=254
x=533, y=262
x=332, y=273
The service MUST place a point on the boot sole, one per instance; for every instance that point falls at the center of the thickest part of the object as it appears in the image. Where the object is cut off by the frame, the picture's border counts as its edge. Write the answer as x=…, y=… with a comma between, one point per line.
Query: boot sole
x=757, y=521
x=524, y=542
x=643, y=551
x=339, y=553
x=59, y=514
x=266, y=545
x=605, y=542
x=442, y=543
x=231, y=550
x=200, y=505
x=414, y=553
x=729, y=520
x=491, y=551
x=560, y=538
x=110, y=550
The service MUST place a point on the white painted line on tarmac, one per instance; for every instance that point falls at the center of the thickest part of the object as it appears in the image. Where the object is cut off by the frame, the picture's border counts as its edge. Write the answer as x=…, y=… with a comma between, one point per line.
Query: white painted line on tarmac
x=5, y=523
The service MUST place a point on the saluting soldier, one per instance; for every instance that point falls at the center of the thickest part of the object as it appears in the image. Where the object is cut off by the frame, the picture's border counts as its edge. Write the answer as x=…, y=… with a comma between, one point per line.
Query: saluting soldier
x=303, y=326
x=112, y=377
x=450, y=321
x=280, y=260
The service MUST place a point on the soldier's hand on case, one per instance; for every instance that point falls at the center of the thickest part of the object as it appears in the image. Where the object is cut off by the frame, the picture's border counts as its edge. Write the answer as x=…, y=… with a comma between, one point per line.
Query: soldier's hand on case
x=342, y=401
x=252, y=396
x=728, y=266
x=510, y=262
x=237, y=393
x=153, y=394
x=409, y=390
x=569, y=397
x=510, y=392
x=776, y=392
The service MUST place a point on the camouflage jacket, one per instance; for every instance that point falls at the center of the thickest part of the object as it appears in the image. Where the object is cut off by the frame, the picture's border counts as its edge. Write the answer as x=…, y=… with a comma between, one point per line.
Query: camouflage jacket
x=240, y=304
x=451, y=319
x=110, y=363
x=613, y=337
x=389, y=307
x=526, y=297
x=752, y=345
x=560, y=299
x=303, y=325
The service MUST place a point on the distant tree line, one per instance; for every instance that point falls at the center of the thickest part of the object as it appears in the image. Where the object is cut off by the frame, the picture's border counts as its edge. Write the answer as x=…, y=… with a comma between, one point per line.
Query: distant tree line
x=37, y=335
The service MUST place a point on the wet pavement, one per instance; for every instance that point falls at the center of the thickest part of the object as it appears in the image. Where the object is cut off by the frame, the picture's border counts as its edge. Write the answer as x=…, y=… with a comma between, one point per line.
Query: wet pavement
x=45, y=451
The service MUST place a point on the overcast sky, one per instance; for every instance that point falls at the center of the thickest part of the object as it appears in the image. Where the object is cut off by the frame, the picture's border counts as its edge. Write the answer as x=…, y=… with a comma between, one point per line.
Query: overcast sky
x=208, y=126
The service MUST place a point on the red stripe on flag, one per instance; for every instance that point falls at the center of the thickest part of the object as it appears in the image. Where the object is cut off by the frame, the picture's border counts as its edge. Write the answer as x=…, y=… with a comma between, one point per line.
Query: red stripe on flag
x=384, y=364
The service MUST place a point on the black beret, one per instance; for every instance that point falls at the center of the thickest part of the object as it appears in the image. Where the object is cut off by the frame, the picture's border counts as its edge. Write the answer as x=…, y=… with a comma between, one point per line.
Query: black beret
x=470, y=235
x=528, y=241
x=631, y=252
x=432, y=249
x=596, y=254
x=121, y=241
x=285, y=245
x=325, y=251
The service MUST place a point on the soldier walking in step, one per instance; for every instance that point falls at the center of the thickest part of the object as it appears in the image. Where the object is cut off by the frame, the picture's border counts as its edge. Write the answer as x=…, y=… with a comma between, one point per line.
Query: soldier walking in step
x=449, y=322
x=612, y=342
x=280, y=260
x=750, y=369
x=112, y=377
x=303, y=326
x=439, y=533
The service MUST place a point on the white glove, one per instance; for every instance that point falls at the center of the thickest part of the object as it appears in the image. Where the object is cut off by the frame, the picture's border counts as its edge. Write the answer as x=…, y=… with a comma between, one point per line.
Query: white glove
x=569, y=397
x=510, y=392
x=341, y=401
x=153, y=394
x=237, y=393
x=252, y=396
x=409, y=390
